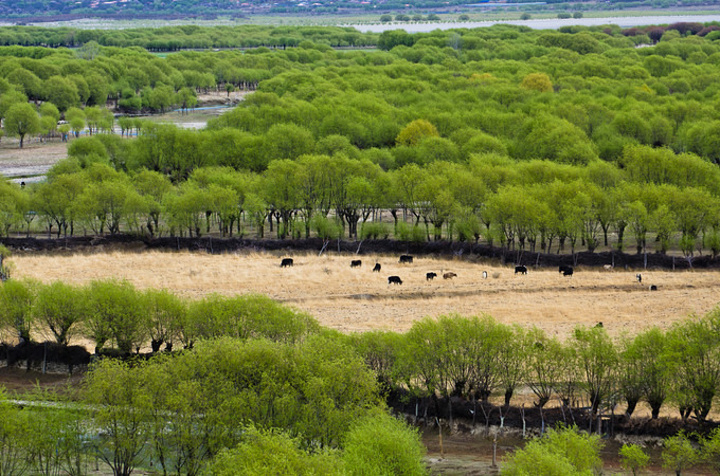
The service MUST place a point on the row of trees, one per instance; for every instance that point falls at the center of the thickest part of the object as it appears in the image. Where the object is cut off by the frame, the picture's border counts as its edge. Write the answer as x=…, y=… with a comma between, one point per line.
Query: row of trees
x=656, y=201
x=451, y=356
x=172, y=38
x=113, y=314
x=474, y=358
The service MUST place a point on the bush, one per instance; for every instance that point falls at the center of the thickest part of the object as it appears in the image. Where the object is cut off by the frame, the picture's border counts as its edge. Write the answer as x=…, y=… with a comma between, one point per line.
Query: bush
x=265, y=452
x=405, y=232
x=633, y=458
x=326, y=228
x=562, y=451
x=383, y=445
x=374, y=231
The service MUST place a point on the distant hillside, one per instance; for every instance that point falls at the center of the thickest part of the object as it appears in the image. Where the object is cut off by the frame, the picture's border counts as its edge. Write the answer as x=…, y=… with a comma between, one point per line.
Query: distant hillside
x=39, y=10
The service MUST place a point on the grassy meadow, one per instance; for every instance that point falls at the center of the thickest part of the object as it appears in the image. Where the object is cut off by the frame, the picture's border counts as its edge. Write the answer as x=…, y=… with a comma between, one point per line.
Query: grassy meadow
x=352, y=300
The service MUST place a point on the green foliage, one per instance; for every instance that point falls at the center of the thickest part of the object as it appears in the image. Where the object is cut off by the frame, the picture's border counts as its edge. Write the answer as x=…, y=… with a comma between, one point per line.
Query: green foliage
x=16, y=302
x=20, y=120
x=374, y=231
x=563, y=451
x=60, y=307
x=383, y=445
x=115, y=312
x=263, y=452
x=633, y=458
x=4, y=266
x=405, y=232
x=597, y=359
x=639, y=110
x=710, y=450
x=537, y=82
x=415, y=132
x=679, y=453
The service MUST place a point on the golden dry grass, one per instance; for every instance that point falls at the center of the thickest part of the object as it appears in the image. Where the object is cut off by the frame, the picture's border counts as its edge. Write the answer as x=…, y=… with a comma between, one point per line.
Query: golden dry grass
x=358, y=299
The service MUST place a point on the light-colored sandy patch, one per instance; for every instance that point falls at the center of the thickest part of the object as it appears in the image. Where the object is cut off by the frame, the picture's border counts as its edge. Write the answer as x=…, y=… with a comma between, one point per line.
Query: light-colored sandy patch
x=358, y=299
x=35, y=158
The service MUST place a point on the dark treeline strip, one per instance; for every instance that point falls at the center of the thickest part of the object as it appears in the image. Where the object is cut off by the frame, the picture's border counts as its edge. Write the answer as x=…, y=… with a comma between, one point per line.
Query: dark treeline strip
x=469, y=251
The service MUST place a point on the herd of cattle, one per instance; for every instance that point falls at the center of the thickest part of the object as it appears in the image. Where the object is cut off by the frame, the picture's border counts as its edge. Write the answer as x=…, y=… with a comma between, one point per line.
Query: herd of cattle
x=408, y=259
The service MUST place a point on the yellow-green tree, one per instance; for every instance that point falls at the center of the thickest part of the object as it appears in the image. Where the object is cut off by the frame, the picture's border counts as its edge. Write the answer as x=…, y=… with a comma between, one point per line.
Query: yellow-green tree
x=415, y=132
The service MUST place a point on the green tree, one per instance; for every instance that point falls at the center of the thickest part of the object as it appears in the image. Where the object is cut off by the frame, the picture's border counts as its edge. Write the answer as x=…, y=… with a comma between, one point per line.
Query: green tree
x=62, y=92
x=165, y=312
x=537, y=82
x=115, y=312
x=263, y=452
x=633, y=458
x=76, y=119
x=597, y=360
x=415, y=132
x=693, y=358
x=679, y=453
x=383, y=445
x=16, y=301
x=546, y=363
x=560, y=452
x=20, y=120
x=60, y=307
x=710, y=450
x=120, y=414
x=14, y=433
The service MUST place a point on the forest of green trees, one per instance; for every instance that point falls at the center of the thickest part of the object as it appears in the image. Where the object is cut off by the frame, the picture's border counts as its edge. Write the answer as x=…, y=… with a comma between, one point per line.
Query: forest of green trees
x=575, y=139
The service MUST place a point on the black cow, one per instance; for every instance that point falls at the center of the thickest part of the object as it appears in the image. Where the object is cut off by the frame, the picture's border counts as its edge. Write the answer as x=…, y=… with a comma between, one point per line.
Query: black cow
x=394, y=280
x=520, y=269
x=653, y=287
x=430, y=276
x=566, y=270
x=286, y=262
x=376, y=269
x=356, y=263
x=406, y=259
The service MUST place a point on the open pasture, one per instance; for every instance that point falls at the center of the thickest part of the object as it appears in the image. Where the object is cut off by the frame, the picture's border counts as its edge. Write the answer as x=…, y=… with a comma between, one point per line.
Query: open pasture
x=358, y=299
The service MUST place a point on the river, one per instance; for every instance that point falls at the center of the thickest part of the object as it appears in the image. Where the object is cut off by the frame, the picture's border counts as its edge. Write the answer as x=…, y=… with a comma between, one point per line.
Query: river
x=544, y=24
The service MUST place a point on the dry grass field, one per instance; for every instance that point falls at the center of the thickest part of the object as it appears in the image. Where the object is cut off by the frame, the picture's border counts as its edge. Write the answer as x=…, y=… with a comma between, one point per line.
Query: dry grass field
x=358, y=299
